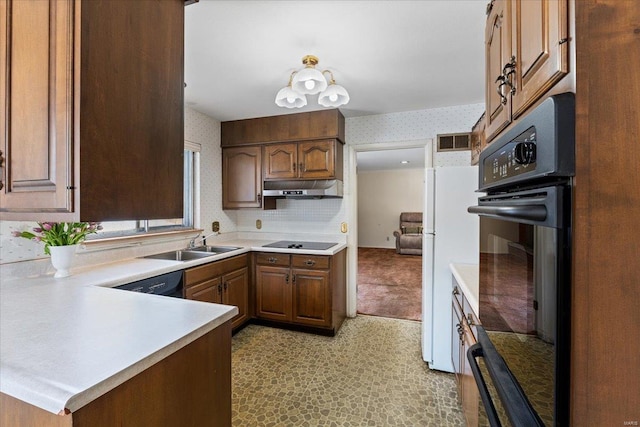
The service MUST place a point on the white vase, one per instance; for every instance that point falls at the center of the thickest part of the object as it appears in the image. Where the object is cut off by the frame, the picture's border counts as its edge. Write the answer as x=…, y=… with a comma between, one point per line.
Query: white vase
x=62, y=259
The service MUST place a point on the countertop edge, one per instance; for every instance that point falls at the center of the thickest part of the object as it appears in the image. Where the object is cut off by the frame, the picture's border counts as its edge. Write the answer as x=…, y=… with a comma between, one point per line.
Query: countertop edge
x=85, y=397
x=463, y=273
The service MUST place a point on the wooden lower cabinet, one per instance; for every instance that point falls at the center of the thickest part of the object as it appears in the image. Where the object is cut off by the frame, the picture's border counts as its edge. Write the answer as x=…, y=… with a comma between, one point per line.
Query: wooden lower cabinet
x=463, y=321
x=306, y=290
x=221, y=282
x=191, y=387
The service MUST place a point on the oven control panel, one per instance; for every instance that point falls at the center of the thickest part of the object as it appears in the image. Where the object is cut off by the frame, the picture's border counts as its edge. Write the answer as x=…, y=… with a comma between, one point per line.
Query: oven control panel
x=515, y=158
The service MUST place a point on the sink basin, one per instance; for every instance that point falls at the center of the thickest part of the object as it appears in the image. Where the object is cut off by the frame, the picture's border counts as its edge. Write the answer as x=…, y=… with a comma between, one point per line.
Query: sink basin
x=181, y=255
x=214, y=249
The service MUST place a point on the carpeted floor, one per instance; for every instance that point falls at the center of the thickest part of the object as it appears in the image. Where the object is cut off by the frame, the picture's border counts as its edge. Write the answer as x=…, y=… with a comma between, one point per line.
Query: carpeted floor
x=389, y=284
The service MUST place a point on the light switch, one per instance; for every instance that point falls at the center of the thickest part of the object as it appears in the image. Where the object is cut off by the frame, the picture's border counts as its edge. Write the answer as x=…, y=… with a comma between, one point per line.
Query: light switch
x=343, y=227
x=215, y=226
x=258, y=224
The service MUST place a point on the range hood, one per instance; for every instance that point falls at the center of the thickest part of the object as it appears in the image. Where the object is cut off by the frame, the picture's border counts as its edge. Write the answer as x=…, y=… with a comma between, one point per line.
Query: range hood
x=295, y=189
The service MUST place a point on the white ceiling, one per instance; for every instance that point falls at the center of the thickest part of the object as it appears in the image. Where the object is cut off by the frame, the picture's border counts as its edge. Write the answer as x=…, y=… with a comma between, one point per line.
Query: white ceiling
x=391, y=56
x=381, y=160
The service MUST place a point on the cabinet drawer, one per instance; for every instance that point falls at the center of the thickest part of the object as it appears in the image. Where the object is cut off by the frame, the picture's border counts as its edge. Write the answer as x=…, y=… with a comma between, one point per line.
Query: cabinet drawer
x=265, y=258
x=310, y=261
x=214, y=269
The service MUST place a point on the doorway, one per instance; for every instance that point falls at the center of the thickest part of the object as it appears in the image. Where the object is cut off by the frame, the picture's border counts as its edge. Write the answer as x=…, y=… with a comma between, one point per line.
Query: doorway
x=388, y=180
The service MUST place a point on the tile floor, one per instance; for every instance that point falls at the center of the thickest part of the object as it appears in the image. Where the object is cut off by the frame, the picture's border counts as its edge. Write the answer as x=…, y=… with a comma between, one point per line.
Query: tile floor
x=370, y=374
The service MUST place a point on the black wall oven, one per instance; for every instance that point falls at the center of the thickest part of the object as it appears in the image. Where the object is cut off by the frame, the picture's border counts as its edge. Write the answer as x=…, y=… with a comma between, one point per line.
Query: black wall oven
x=521, y=361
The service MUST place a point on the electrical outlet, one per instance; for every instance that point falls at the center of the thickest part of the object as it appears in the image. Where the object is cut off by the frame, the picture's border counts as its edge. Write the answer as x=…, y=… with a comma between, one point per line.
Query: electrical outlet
x=215, y=226
x=258, y=224
x=387, y=238
x=343, y=227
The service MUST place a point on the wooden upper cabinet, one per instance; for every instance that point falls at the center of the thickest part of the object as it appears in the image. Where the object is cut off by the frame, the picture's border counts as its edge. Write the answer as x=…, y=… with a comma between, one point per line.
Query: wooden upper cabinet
x=281, y=161
x=92, y=115
x=304, y=160
x=242, y=177
x=497, y=54
x=540, y=48
x=526, y=50
x=317, y=159
x=286, y=128
x=36, y=122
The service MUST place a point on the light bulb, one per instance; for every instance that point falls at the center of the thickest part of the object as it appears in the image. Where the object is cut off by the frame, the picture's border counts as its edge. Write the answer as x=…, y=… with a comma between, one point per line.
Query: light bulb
x=291, y=99
x=309, y=84
x=333, y=97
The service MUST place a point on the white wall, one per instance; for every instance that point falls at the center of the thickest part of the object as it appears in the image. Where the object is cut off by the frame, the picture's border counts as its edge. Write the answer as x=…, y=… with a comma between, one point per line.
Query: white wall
x=382, y=196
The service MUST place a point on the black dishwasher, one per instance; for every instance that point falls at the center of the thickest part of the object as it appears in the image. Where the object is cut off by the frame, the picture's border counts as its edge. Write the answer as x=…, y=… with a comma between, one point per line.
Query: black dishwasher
x=169, y=285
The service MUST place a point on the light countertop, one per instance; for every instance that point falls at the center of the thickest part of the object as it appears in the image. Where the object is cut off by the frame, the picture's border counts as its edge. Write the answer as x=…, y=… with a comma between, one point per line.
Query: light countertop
x=65, y=342
x=467, y=277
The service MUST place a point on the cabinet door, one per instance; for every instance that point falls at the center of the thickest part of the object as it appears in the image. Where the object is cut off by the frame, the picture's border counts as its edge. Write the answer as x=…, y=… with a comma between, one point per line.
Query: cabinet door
x=497, y=54
x=470, y=394
x=273, y=293
x=236, y=292
x=208, y=291
x=311, y=297
x=36, y=122
x=241, y=177
x=280, y=161
x=317, y=159
x=540, y=47
x=456, y=344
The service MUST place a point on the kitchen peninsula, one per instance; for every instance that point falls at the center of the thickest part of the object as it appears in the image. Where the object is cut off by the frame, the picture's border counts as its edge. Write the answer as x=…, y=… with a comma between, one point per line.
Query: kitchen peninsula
x=80, y=355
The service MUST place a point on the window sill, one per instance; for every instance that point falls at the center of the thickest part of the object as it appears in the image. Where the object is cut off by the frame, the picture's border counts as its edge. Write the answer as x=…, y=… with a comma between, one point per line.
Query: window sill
x=138, y=240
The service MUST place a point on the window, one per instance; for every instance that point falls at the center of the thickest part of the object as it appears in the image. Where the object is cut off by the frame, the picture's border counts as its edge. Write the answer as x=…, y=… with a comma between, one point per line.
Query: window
x=190, y=217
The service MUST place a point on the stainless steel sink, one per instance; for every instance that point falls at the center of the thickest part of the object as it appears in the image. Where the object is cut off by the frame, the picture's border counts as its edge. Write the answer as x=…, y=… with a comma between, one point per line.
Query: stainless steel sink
x=214, y=249
x=181, y=255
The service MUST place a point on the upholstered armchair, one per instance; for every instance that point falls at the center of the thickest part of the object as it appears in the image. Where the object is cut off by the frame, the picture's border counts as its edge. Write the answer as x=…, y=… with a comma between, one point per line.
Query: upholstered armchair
x=409, y=236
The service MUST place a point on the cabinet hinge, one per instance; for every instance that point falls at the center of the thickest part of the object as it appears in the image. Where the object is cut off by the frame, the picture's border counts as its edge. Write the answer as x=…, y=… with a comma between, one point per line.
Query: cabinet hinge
x=71, y=187
x=564, y=40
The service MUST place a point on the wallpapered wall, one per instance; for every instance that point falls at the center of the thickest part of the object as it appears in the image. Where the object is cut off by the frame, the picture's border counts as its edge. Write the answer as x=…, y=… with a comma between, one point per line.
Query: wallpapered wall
x=296, y=216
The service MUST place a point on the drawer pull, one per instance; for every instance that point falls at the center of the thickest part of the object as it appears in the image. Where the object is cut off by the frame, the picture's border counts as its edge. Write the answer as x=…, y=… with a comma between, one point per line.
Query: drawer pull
x=272, y=260
x=310, y=262
x=286, y=278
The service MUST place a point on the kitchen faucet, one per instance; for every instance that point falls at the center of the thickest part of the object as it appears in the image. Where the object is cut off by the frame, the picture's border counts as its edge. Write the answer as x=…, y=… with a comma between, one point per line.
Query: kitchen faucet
x=192, y=242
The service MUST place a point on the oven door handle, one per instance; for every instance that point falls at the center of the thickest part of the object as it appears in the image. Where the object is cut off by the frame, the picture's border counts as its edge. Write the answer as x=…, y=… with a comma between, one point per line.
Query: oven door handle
x=524, y=212
x=473, y=352
x=515, y=402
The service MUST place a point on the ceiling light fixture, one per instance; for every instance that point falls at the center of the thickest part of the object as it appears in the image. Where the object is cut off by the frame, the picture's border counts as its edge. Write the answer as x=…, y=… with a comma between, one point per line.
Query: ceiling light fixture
x=310, y=81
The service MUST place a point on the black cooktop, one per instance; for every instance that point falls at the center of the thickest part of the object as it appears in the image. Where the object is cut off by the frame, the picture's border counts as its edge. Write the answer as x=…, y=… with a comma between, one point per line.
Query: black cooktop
x=290, y=244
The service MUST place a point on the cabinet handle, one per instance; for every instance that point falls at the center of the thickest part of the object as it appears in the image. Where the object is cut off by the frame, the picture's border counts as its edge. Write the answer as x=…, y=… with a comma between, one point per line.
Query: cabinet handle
x=294, y=167
x=220, y=289
x=286, y=278
x=301, y=167
x=508, y=71
x=470, y=321
x=272, y=260
x=456, y=291
x=310, y=262
x=503, y=98
x=293, y=280
x=460, y=331
x=226, y=284
x=1, y=170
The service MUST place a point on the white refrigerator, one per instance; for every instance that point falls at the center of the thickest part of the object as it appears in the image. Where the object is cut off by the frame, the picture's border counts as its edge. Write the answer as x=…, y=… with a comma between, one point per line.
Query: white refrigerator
x=451, y=235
